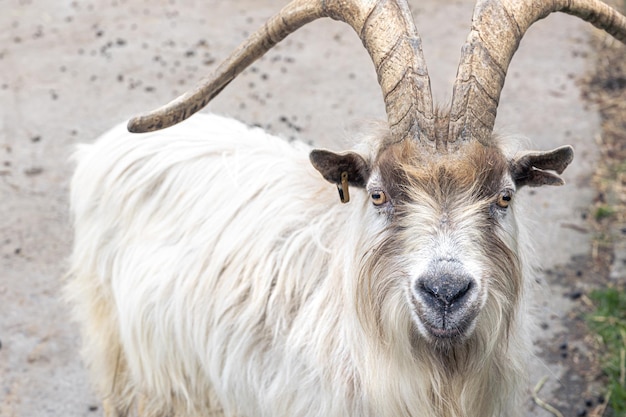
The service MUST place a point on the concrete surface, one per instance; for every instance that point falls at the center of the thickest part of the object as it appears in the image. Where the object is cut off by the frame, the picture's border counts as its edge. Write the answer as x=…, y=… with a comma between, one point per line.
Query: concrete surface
x=71, y=69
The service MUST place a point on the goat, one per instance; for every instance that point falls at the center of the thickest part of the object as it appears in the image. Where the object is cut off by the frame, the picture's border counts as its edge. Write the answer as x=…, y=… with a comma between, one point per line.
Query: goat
x=214, y=273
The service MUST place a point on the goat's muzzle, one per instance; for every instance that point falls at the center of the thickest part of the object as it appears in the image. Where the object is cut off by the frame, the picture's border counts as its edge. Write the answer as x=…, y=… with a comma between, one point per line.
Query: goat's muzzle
x=446, y=300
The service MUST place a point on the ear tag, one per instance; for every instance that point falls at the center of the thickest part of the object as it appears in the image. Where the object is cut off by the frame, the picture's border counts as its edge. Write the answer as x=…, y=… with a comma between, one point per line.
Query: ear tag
x=344, y=194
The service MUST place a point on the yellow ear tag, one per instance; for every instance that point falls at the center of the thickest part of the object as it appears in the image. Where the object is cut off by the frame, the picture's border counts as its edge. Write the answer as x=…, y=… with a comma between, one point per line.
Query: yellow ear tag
x=344, y=193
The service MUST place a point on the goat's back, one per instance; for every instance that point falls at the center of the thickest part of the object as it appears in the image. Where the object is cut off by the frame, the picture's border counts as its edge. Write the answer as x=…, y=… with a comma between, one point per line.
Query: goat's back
x=195, y=249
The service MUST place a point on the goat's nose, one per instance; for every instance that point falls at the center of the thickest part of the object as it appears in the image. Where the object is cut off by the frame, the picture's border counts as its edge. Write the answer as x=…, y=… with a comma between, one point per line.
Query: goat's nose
x=445, y=290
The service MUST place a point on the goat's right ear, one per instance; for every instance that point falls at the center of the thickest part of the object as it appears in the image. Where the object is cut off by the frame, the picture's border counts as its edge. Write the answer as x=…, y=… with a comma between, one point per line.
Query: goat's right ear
x=344, y=169
x=332, y=165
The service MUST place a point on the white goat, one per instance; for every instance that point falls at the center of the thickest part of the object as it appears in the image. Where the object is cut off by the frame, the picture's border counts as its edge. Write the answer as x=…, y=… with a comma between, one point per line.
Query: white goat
x=214, y=273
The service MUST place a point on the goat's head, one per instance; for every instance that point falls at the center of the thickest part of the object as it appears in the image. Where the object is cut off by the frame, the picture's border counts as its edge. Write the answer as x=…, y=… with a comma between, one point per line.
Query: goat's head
x=440, y=182
x=449, y=243
x=447, y=239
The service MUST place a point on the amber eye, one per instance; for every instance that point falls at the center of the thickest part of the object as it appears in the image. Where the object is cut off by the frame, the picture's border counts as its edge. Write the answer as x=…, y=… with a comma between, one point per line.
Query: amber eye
x=504, y=199
x=378, y=197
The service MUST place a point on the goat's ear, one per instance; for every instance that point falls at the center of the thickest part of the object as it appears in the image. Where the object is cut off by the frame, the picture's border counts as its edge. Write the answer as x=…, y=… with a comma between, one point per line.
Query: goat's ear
x=532, y=168
x=332, y=165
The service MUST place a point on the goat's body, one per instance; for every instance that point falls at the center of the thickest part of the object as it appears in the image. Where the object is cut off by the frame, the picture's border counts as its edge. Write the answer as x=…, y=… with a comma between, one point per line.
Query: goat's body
x=215, y=272
x=212, y=262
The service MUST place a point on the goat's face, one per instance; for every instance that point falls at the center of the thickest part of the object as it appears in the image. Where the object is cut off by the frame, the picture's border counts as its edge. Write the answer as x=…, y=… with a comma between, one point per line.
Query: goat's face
x=446, y=251
x=450, y=227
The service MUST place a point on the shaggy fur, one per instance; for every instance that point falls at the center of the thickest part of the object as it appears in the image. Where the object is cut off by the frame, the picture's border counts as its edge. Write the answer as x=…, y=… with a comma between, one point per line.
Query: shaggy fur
x=214, y=271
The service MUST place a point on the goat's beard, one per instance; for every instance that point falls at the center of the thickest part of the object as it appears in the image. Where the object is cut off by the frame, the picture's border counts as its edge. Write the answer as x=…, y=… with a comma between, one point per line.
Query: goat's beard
x=486, y=337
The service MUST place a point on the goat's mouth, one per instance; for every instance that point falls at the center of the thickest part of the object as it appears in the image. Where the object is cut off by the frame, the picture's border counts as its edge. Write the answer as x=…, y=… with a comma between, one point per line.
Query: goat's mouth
x=443, y=325
x=452, y=332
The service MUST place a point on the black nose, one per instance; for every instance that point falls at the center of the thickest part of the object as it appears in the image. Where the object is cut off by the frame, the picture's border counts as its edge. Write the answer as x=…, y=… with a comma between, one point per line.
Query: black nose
x=445, y=290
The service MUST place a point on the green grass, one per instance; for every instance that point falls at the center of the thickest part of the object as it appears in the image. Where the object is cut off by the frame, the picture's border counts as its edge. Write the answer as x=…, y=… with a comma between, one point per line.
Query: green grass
x=609, y=322
x=603, y=212
x=618, y=168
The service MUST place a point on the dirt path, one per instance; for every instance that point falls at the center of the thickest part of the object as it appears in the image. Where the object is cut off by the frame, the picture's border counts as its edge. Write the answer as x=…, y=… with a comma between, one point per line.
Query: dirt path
x=70, y=70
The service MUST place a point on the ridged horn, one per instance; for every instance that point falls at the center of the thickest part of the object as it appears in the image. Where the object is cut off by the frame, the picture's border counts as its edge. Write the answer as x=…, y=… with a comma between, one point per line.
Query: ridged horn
x=388, y=33
x=497, y=29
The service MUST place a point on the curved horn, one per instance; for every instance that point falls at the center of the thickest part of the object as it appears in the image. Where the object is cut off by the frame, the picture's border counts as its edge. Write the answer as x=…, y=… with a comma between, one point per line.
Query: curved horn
x=388, y=33
x=497, y=29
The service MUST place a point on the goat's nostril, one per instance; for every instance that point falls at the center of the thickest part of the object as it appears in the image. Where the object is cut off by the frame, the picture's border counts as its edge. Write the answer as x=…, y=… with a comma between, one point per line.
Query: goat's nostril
x=445, y=290
x=427, y=289
x=463, y=289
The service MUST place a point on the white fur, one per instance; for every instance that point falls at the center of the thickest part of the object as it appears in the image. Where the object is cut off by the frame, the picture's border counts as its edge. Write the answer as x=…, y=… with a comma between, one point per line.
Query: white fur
x=213, y=263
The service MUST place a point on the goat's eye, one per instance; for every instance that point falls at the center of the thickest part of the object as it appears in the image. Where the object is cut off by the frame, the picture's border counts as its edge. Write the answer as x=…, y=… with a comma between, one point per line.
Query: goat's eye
x=504, y=199
x=378, y=197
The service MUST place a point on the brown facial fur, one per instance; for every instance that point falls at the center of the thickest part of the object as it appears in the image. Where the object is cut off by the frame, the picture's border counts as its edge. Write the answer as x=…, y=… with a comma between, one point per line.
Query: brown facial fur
x=476, y=169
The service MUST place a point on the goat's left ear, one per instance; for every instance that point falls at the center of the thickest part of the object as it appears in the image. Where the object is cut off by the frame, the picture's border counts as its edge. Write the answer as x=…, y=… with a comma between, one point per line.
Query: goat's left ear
x=532, y=168
x=344, y=169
